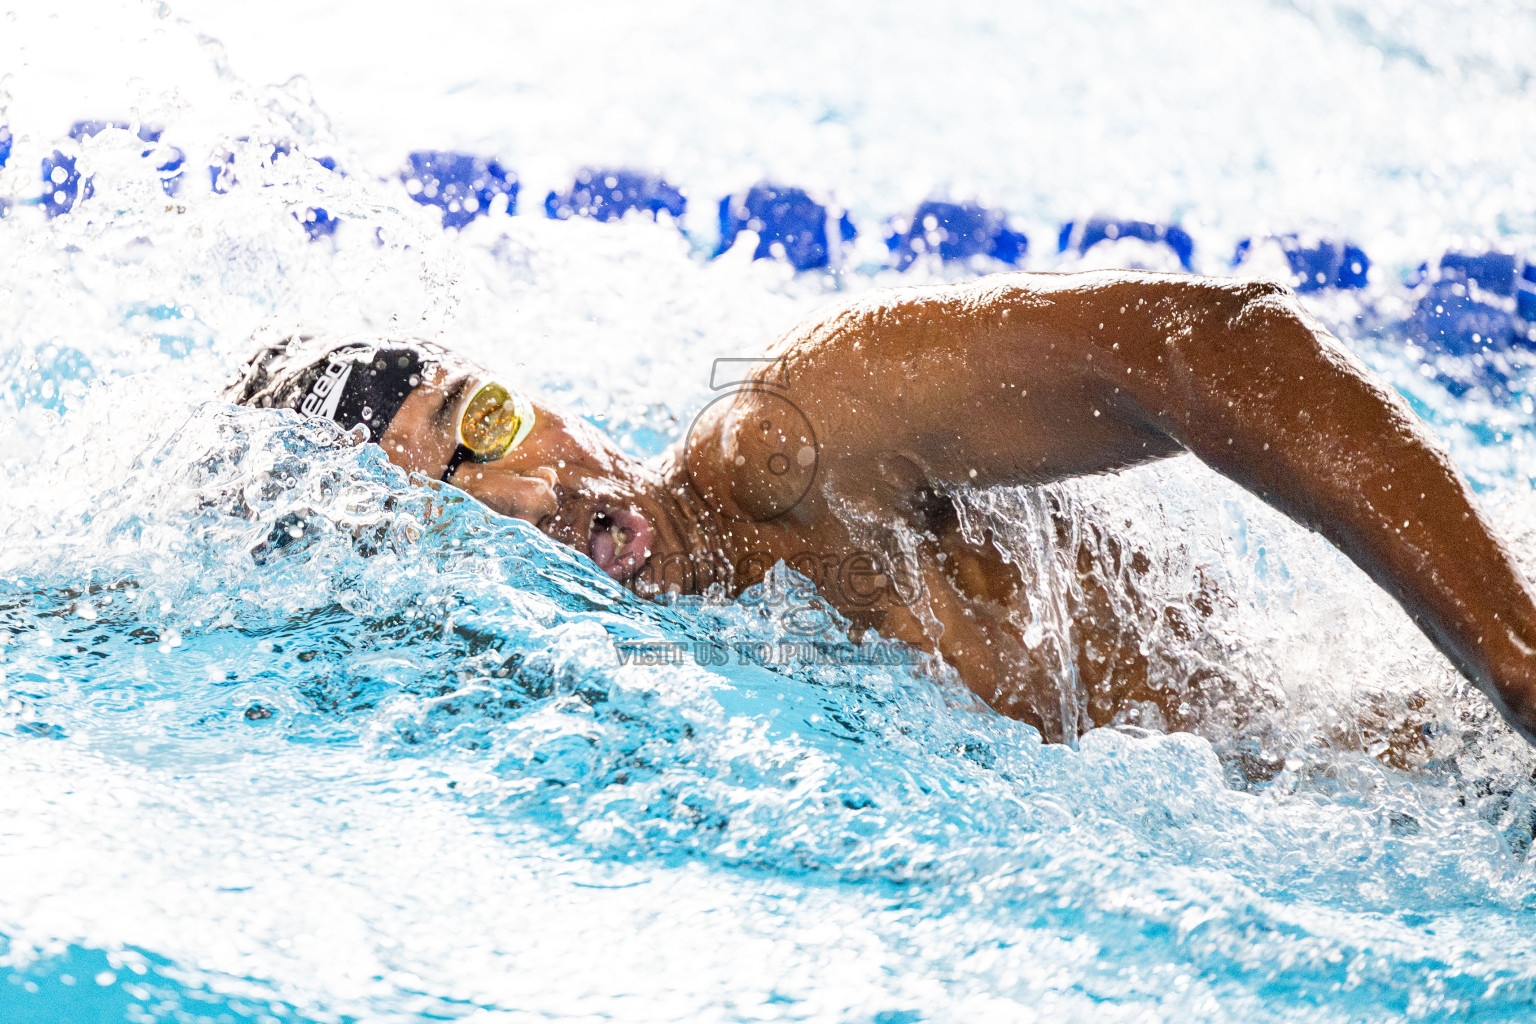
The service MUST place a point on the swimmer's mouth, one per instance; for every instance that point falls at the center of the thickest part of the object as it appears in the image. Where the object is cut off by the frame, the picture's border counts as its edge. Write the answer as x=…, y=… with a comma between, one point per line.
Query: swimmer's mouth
x=619, y=541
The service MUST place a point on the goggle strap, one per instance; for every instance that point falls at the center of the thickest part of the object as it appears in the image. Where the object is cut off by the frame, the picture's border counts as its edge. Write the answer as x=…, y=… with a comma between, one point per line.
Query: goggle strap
x=461, y=455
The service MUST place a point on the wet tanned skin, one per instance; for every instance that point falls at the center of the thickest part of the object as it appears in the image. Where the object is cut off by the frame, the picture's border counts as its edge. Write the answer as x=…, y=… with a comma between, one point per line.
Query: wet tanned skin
x=1022, y=379
x=565, y=477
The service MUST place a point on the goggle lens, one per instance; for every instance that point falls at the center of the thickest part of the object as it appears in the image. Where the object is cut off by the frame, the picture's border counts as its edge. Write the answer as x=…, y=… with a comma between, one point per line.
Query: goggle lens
x=494, y=422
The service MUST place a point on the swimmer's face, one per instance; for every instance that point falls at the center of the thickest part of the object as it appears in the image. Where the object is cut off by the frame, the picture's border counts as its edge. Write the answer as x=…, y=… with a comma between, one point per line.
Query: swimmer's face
x=565, y=477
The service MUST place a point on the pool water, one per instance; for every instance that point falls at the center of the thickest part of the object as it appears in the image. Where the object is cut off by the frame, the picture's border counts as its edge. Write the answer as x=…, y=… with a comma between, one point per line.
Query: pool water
x=289, y=737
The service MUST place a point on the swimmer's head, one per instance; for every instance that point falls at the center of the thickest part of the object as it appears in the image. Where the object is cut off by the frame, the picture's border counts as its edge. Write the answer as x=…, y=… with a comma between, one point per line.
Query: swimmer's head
x=358, y=383
x=444, y=417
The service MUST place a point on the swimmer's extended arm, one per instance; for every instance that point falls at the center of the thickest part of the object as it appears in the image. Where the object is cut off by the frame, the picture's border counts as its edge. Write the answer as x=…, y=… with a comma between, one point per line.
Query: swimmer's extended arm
x=1029, y=378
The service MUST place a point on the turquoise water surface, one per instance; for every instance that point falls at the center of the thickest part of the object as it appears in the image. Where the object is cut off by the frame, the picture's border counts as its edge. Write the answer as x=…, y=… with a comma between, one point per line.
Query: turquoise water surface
x=289, y=737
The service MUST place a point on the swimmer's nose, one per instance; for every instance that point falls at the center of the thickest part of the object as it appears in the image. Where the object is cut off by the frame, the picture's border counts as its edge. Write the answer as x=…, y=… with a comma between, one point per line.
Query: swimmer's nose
x=528, y=496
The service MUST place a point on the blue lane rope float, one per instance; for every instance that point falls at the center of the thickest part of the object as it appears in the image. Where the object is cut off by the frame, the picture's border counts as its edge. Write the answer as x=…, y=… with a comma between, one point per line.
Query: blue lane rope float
x=608, y=193
x=170, y=171
x=955, y=231
x=221, y=167
x=790, y=225
x=317, y=220
x=1468, y=308
x=5, y=154
x=63, y=185
x=1525, y=293
x=1447, y=319
x=461, y=185
x=1316, y=263
x=1472, y=303
x=1494, y=272
x=1080, y=236
x=317, y=223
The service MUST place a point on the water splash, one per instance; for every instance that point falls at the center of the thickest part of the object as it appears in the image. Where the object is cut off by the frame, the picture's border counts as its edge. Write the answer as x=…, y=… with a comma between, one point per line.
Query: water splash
x=306, y=739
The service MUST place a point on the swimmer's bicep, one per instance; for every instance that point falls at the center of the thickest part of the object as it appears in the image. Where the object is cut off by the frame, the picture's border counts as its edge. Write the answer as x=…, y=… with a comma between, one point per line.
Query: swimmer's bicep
x=993, y=390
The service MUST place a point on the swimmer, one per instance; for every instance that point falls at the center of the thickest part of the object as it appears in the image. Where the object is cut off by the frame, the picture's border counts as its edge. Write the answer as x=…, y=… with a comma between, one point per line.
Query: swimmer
x=865, y=419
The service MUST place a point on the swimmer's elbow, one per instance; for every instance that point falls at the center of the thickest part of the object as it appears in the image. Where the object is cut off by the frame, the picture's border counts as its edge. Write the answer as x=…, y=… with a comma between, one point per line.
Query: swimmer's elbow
x=1258, y=289
x=1250, y=301
x=1266, y=316
x=1215, y=328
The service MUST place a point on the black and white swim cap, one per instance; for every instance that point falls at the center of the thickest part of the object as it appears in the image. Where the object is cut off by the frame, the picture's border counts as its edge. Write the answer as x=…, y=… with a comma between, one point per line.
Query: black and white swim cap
x=355, y=382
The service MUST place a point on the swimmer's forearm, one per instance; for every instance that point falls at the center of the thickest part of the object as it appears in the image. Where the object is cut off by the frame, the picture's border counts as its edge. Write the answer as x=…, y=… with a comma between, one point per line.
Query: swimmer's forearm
x=1242, y=377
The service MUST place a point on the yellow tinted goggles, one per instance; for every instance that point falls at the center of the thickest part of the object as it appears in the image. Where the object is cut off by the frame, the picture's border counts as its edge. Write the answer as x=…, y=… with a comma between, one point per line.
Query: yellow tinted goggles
x=495, y=420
